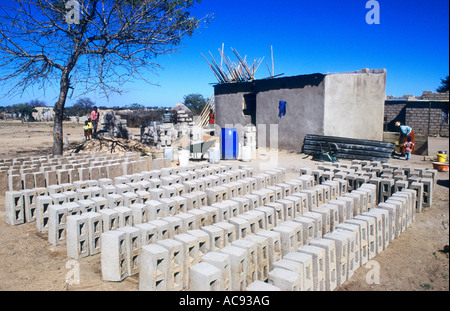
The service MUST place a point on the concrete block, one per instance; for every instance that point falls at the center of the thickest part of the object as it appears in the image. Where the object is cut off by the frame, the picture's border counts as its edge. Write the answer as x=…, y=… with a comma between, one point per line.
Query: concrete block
x=326, y=218
x=15, y=208
x=304, y=202
x=29, y=201
x=364, y=199
x=57, y=224
x=312, y=197
x=125, y=216
x=305, y=261
x=252, y=255
x=188, y=221
x=357, y=202
x=156, y=210
x=243, y=204
x=297, y=205
x=329, y=247
x=386, y=188
x=114, y=200
x=242, y=226
x=148, y=232
x=99, y=203
x=273, y=244
x=288, y=207
x=375, y=242
x=363, y=238
x=191, y=253
x=285, y=279
x=262, y=245
x=229, y=232
x=175, y=225
x=428, y=188
x=342, y=255
x=212, y=214
x=113, y=256
x=254, y=200
x=269, y=216
x=334, y=188
x=204, y=241
x=154, y=274
x=318, y=232
x=95, y=229
x=401, y=203
x=278, y=211
x=318, y=265
x=223, y=211
x=110, y=219
x=162, y=228
x=77, y=236
x=205, y=277
x=42, y=215
x=288, y=237
x=394, y=220
x=176, y=263
x=216, y=237
x=239, y=260
x=382, y=225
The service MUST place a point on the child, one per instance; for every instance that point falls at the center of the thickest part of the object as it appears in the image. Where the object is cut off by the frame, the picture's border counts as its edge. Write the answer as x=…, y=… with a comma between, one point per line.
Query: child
x=409, y=145
x=87, y=129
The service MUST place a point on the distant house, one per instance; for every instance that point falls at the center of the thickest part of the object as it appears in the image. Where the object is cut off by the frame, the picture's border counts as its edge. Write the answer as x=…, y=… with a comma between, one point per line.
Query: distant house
x=426, y=114
x=43, y=114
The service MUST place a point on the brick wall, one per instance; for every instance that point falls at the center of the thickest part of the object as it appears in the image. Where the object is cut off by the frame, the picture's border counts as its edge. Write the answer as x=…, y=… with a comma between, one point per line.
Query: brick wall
x=425, y=117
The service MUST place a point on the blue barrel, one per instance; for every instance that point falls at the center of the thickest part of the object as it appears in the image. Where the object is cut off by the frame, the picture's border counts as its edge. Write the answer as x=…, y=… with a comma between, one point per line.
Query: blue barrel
x=229, y=144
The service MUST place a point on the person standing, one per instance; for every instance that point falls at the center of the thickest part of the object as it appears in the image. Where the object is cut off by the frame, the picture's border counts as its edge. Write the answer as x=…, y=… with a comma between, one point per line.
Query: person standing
x=405, y=132
x=211, y=116
x=94, y=119
x=167, y=116
x=409, y=145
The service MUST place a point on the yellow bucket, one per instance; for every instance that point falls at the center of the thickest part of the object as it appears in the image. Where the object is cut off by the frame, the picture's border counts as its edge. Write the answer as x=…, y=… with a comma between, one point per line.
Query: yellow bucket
x=441, y=157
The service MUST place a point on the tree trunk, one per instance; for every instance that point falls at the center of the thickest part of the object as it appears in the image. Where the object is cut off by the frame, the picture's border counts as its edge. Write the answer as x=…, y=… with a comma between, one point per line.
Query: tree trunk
x=59, y=115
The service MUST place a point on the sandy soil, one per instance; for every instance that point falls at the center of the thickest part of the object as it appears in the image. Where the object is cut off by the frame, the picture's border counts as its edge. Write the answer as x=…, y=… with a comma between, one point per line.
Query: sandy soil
x=413, y=262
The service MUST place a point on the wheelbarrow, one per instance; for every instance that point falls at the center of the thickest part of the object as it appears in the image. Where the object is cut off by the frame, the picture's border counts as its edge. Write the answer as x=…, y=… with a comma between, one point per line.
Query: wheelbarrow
x=201, y=147
x=327, y=156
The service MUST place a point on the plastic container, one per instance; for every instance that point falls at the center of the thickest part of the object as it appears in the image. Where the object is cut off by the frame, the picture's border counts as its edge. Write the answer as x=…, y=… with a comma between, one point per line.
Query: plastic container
x=442, y=156
x=214, y=155
x=183, y=157
x=246, y=153
x=168, y=153
x=229, y=143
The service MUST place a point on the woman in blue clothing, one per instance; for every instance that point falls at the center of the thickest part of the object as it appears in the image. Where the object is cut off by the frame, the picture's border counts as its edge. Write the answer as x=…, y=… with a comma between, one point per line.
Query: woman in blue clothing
x=405, y=132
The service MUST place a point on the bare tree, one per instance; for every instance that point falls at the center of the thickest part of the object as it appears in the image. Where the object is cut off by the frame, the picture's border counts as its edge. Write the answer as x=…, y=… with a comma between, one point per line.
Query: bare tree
x=88, y=45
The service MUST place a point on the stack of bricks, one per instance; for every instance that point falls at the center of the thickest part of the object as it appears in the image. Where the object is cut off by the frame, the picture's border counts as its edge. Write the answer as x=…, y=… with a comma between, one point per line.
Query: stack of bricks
x=280, y=239
x=212, y=227
x=166, y=133
x=183, y=117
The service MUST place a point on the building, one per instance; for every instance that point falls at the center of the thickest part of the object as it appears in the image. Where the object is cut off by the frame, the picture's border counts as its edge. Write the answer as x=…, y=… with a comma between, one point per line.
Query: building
x=426, y=114
x=349, y=104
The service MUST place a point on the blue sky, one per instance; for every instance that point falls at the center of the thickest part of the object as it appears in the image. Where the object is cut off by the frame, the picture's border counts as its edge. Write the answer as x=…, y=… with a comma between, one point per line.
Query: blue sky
x=317, y=36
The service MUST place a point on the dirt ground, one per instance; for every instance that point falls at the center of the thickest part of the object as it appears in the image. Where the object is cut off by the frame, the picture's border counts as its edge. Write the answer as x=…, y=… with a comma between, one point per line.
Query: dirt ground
x=415, y=261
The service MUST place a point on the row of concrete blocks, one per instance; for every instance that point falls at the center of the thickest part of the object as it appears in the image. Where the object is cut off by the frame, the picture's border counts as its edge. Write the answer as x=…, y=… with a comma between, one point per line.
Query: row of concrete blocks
x=30, y=161
x=21, y=205
x=422, y=180
x=241, y=224
x=285, y=256
x=190, y=210
x=80, y=172
x=40, y=165
x=393, y=177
